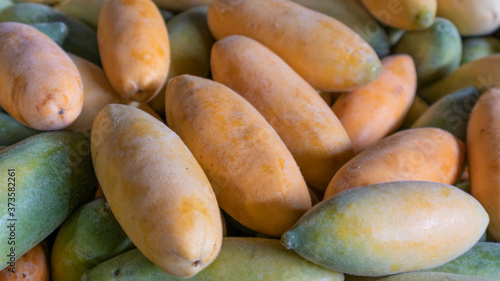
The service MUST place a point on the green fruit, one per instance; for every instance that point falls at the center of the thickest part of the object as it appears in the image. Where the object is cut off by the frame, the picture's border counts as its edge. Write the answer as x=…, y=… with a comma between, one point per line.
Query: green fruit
x=81, y=39
x=371, y=230
x=450, y=113
x=57, y=31
x=482, y=73
x=476, y=48
x=482, y=261
x=190, y=46
x=239, y=259
x=45, y=178
x=356, y=17
x=431, y=276
x=437, y=50
x=394, y=34
x=89, y=237
x=11, y=131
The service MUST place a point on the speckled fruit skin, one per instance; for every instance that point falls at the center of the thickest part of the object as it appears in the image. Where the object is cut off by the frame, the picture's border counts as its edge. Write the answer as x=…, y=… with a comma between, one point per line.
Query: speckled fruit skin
x=255, y=178
x=324, y=51
x=482, y=261
x=389, y=228
x=156, y=190
x=239, y=259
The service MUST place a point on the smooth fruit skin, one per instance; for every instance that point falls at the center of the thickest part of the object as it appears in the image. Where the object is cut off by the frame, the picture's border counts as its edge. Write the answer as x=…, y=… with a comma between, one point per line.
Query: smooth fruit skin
x=134, y=48
x=482, y=261
x=11, y=131
x=436, y=50
x=479, y=47
x=53, y=177
x=156, y=190
x=308, y=127
x=32, y=266
x=472, y=17
x=239, y=259
x=374, y=111
x=255, y=177
x=89, y=237
x=324, y=51
x=451, y=113
x=431, y=276
x=389, y=228
x=423, y=154
x=180, y=5
x=40, y=85
x=483, y=144
x=407, y=14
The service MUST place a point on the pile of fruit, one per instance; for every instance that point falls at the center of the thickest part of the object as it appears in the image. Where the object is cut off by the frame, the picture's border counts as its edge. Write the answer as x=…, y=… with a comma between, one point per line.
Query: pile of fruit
x=249, y=140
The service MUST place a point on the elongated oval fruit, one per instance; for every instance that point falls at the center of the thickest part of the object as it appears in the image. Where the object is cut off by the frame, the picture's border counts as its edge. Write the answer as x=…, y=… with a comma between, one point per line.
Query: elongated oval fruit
x=482, y=73
x=472, y=17
x=156, y=190
x=450, y=113
x=97, y=93
x=239, y=259
x=483, y=144
x=376, y=110
x=431, y=276
x=305, y=123
x=424, y=154
x=81, y=39
x=302, y=38
x=180, y=5
x=89, y=237
x=134, y=48
x=407, y=14
x=389, y=228
x=255, y=178
x=436, y=50
x=48, y=176
x=39, y=84
x=57, y=31
x=356, y=17
x=32, y=266
x=482, y=261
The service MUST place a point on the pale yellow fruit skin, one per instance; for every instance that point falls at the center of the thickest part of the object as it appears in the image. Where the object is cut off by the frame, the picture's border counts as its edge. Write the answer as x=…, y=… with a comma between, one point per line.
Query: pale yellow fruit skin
x=180, y=5
x=134, y=48
x=483, y=139
x=389, y=228
x=156, y=190
x=405, y=14
x=306, y=124
x=255, y=178
x=322, y=50
x=40, y=85
x=471, y=17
